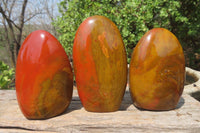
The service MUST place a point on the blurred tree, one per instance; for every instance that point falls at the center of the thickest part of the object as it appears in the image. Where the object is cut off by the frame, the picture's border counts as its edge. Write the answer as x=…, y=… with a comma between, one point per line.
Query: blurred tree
x=44, y=21
x=9, y=23
x=18, y=18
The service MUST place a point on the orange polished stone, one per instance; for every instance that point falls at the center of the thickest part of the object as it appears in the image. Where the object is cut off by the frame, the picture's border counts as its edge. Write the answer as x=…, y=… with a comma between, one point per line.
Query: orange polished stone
x=100, y=64
x=157, y=71
x=44, y=79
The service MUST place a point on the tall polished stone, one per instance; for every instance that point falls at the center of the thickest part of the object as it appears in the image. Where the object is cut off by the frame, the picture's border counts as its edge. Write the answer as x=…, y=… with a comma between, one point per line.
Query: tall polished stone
x=100, y=64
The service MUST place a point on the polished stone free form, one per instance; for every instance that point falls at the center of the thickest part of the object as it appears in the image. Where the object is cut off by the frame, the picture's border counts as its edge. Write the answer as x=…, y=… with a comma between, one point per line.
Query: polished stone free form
x=157, y=71
x=100, y=64
x=44, y=79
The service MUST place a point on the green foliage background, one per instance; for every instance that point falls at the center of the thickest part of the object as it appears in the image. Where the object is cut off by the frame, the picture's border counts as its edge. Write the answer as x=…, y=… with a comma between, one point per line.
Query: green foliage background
x=134, y=18
x=6, y=76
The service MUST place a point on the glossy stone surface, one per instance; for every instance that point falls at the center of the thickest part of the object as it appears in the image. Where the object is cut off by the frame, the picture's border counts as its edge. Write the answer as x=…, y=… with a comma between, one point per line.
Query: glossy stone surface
x=157, y=71
x=44, y=79
x=100, y=64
